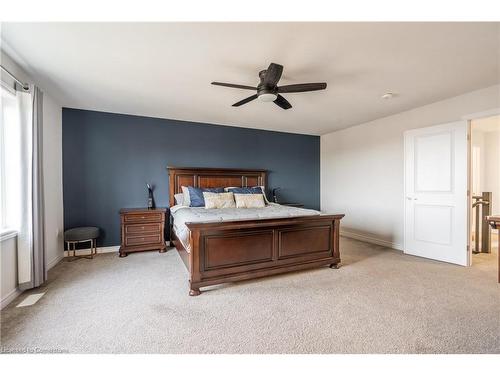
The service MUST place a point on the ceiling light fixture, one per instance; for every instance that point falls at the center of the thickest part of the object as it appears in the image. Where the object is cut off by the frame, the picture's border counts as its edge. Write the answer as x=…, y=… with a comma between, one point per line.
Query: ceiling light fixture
x=268, y=97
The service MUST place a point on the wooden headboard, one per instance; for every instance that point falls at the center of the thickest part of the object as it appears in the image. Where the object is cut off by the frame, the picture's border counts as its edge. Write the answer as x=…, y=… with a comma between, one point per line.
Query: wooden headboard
x=212, y=177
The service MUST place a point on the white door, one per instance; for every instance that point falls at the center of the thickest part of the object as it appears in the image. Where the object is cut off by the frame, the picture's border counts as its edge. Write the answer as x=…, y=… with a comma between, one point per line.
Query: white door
x=436, y=192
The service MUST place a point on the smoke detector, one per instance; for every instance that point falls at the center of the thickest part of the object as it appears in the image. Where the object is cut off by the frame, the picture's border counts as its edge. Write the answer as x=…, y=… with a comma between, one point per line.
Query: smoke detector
x=388, y=95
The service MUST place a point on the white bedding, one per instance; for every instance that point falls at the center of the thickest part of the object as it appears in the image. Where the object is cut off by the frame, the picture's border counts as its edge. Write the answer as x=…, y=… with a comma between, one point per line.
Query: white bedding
x=183, y=214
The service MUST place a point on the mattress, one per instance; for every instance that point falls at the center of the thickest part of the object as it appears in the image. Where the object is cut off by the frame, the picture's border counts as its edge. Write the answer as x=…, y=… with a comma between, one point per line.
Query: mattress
x=183, y=214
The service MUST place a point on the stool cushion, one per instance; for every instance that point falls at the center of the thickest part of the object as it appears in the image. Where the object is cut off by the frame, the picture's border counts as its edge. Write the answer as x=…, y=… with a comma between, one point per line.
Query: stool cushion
x=81, y=234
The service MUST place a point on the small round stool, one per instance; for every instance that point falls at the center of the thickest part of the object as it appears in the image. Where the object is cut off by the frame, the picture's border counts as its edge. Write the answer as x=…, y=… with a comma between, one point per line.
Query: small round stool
x=81, y=234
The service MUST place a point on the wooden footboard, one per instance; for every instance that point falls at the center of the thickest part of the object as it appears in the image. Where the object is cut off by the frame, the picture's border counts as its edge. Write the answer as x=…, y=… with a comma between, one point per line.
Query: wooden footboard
x=240, y=250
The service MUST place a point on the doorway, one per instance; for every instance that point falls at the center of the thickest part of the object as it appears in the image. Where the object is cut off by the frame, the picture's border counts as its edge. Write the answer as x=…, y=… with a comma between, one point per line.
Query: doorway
x=484, y=189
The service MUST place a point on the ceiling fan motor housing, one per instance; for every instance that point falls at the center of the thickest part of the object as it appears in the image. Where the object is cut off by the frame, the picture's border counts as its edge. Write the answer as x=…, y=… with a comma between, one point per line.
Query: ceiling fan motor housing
x=262, y=76
x=268, y=90
x=266, y=93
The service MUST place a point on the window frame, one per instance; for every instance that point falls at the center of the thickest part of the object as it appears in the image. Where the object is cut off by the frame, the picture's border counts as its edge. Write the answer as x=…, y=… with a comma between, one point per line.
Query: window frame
x=6, y=232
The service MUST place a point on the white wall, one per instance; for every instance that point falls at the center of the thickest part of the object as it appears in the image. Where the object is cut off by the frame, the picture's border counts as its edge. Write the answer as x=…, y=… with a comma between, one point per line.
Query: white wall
x=362, y=166
x=52, y=161
x=8, y=269
x=492, y=167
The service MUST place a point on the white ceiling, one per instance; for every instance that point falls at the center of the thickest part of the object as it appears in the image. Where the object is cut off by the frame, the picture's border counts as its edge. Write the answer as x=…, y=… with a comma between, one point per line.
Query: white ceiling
x=165, y=69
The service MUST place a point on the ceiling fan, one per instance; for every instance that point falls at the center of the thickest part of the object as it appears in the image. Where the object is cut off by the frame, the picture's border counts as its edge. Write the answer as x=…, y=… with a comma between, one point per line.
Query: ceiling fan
x=268, y=89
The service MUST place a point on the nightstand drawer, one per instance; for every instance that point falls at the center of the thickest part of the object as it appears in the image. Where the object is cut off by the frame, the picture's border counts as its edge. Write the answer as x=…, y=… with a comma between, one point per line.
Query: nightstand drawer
x=143, y=240
x=143, y=218
x=139, y=229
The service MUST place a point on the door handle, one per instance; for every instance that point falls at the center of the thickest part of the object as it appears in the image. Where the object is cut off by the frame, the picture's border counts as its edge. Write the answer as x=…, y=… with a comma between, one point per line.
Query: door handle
x=410, y=198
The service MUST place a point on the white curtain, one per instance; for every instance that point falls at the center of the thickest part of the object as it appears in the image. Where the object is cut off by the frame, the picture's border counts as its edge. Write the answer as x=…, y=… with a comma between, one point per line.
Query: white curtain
x=31, y=240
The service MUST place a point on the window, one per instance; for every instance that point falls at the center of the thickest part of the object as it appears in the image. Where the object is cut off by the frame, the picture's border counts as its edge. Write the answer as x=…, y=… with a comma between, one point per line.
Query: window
x=10, y=157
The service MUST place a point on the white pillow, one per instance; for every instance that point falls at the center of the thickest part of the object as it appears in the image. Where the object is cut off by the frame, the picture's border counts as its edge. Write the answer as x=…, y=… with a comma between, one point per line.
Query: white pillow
x=249, y=200
x=187, y=199
x=219, y=200
x=179, y=198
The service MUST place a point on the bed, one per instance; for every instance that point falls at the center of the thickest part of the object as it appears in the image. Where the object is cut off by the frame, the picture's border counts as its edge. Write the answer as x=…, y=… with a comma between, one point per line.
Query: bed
x=226, y=245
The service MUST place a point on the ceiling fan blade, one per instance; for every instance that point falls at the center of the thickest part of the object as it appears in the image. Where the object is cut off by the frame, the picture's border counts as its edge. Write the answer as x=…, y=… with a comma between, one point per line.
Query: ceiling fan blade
x=282, y=102
x=303, y=87
x=234, y=86
x=245, y=101
x=273, y=74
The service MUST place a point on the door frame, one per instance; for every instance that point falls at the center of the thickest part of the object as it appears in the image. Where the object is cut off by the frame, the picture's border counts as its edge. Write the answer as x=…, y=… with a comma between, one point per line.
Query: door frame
x=469, y=118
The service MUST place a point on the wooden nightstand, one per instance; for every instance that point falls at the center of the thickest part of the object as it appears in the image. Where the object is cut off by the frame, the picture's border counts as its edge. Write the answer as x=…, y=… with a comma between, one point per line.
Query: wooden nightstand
x=142, y=229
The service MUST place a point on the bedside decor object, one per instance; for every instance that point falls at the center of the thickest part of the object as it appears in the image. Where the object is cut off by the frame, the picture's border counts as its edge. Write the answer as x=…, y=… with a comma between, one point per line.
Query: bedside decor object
x=275, y=197
x=151, y=199
x=142, y=229
x=81, y=234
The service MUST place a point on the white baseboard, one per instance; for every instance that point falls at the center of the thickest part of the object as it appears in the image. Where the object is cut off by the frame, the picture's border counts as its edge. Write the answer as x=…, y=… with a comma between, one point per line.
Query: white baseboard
x=11, y=296
x=54, y=261
x=369, y=239
x=100, y=250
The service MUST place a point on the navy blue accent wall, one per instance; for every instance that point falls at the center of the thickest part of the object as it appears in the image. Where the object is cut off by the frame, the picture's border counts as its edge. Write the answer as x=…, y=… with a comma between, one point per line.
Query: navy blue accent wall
x=108, y=158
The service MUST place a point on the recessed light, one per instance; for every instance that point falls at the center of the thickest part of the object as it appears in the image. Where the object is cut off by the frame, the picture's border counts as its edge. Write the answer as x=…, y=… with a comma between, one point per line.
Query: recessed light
x=388, y=95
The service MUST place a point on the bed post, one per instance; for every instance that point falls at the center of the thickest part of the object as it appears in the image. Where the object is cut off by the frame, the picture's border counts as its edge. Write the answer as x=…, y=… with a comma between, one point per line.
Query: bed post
x=336, y=243
x=194, y=263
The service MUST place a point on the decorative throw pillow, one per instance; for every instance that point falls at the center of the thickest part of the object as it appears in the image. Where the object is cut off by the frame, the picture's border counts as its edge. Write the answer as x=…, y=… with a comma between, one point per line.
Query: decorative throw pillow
x=249, y=190
x=249, y=200
x=179, y=198
x=219, y=200
x=196, y=195
x=264, y=192
x=245, y=190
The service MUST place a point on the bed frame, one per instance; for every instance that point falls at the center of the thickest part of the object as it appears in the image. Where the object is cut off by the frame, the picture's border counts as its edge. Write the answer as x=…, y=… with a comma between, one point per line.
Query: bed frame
x=246, y=249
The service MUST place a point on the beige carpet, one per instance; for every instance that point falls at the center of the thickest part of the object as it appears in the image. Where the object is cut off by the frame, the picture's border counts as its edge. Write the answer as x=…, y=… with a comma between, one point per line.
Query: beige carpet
x=380, y=301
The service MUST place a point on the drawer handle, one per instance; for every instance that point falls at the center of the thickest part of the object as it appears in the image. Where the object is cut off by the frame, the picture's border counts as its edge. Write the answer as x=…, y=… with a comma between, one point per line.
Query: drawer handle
x=143, y=217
